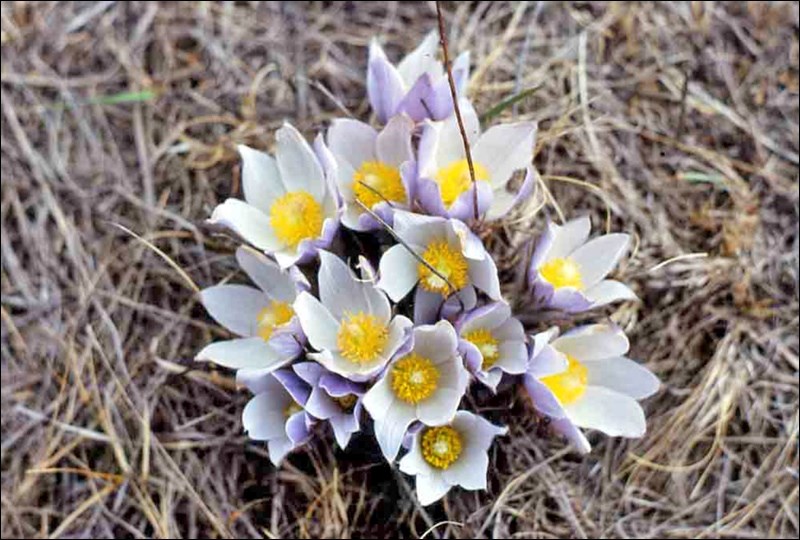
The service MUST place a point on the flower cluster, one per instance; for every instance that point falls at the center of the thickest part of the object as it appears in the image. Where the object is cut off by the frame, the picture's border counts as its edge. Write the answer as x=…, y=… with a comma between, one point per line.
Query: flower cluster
x=321, y=341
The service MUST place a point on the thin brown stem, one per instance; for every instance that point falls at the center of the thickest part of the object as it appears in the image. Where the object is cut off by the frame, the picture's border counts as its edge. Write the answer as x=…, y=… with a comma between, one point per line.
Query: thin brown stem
x=448, y=68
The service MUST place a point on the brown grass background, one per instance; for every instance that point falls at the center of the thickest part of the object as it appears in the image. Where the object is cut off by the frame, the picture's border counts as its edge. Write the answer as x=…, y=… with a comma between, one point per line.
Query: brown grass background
x=680, y=118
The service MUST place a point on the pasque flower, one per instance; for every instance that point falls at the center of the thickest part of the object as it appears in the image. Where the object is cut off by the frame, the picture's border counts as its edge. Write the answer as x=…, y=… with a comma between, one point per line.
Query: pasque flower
x=425, y=383
x=458, y=256
x=568, y=271
x=263, y=317
x=583, y=379
x=289, y=210
x=455, y=454
x=418, y=86
x=351, y=325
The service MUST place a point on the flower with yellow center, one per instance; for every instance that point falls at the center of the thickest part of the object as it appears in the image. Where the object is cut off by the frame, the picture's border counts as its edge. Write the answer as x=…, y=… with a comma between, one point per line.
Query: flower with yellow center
x=454, y=454
x=351, y=325
x=441, y=446
x=451, y=267
x=583, y=380
x=376, y=182
x=425, y=383
x=414, y=378
x=372, y=168
x=447, y=188
x=451, y=249
x=568, y=271
x=486, y=344
x=296, y=217
x=362, y=337
x=455, y=179
x=262, y=317
x=289, y=211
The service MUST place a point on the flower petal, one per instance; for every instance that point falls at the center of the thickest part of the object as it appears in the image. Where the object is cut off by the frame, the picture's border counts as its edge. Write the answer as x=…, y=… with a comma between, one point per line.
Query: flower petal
x=299, y=167
x=236, y=307
x=263, y=418
x=450, y=144
x=421, y=60
x=392, y=417
x=568, y=237
x=438, y=342
x=505, y=148
x=247, y=221
x=398, y=271
x=384, y=84
x=615, y=414
x=599, y=256
x=245, y=353
x=278, y=449
x=426, y=306
x=352, y=141
x=593, y=342
x=608, y=291
x=504, y=201
x=574, y=435
x=266, y=274
x=483, y=274
x=261, y=181
x=318, y=324
x=393, y=143
x=622, y=375
x=342, y=293
x=431, y=488
x=543, y=399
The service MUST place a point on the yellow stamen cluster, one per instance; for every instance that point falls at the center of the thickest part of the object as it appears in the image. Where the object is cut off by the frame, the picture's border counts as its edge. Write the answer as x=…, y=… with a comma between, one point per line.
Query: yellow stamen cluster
x=296, y=216
x=568, y=385
x=384, y=180
x=441, y=446
x=454, y=179
x=562, y=272
x=271, y=317
x=449, y=262
x=346, y=402
x=362, y=337
x=414, y=378
x=486, y=343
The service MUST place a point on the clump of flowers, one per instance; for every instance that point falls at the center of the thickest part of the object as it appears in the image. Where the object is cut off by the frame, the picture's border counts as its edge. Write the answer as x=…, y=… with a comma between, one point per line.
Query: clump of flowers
x=324, y=340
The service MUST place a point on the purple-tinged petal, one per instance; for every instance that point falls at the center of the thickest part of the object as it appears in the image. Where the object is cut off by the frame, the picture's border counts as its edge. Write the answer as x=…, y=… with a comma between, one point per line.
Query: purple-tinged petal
x=464, y=206
x=416, y=102
x=430, y=198
x=572, y=433
x=320, y=405
x=293, y=384
x=463, y=300
x=569, y=300
x=310, y=372
x=384, y=85
x=543, y=399
x=297, y=428
x=548, y=361
x=473, y=359
x=504, y=201
x=426, y=306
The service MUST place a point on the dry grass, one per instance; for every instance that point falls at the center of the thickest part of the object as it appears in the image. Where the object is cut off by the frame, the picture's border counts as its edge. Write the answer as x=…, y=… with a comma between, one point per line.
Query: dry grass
x=109, y=430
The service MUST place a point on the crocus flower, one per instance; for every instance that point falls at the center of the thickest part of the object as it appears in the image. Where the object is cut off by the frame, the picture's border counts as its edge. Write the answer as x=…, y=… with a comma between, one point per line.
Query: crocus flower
x=583, y=380
x=425, y=383
x=270, y=333
x=446, y=245
x=289, y=211
x=418, y=86
x=351, y=325
x=445, y=186
x=450, y=455
x=492, y=342
x=333, y=398
x=567, y=272
x=373, y=168
x=276, y=413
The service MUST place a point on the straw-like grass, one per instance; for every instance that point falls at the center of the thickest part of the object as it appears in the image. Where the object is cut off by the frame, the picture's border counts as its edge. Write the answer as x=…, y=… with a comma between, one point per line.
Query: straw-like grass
x=676, y=122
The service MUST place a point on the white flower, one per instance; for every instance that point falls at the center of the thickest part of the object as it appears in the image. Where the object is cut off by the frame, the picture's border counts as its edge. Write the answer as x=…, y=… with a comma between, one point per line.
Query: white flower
x=445, y=186
x=264, y=317
x=450, y=455
x=492, y=342
x=290, y=211
x=583, y=380
x=568, y=272
x=374, y=168
x=352, y=327
x=448, y=246
x=276, y=414
x=426, y=384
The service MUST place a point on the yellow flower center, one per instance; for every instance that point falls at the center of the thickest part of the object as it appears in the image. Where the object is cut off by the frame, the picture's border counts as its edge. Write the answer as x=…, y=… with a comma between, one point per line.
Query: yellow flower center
x=454, y=179
x=347, y=401
x=414, y=378
x=362, y=337
x=562, y=273
x=273, y=316
x=487, y=344
x=449, y=262
x=568, y=385
x=296, y=216
x=384, y=181
x=441, y=446
x=291, y=409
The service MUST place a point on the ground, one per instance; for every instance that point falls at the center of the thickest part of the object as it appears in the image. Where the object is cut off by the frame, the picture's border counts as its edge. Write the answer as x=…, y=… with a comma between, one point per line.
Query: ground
x=676, y=122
